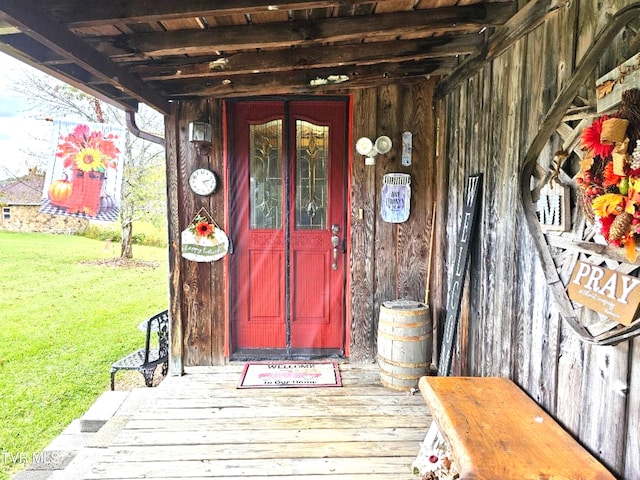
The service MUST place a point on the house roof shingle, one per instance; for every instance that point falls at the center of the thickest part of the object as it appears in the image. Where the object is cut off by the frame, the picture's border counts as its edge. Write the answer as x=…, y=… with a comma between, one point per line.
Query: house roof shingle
x=26, y=190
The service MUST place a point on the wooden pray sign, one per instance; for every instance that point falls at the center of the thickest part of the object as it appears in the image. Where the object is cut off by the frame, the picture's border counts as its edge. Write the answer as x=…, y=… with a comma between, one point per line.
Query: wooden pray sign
x=554, y=208
x=605, y=291
x=611, y=86
x=474, y=186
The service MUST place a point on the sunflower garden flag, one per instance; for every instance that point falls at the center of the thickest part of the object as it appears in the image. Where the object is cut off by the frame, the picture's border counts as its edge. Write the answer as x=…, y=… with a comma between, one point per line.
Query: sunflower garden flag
x=84, y=175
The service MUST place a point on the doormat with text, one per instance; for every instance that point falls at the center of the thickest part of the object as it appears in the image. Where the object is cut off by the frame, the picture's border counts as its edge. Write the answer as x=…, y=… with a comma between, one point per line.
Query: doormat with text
x=290, y=374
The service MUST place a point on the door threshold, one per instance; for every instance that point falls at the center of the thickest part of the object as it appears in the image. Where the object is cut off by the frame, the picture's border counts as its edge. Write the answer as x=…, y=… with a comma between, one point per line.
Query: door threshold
x=251, y=354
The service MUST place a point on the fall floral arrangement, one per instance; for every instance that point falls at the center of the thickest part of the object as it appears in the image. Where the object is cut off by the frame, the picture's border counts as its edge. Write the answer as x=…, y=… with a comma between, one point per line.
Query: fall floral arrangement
x=609, y=177
x=89, y=151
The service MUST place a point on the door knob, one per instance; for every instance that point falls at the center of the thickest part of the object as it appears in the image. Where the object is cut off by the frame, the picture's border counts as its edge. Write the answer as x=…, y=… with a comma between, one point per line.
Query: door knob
x=335, y=241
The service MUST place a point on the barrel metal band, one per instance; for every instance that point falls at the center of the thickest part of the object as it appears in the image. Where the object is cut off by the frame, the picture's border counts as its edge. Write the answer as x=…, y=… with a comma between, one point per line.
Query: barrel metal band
x=405, y=313
x=403, y=364
x=404, y=338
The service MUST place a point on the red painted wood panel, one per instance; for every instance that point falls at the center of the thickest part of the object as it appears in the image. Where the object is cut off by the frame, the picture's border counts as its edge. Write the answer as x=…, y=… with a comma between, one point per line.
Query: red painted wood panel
x=265, y=261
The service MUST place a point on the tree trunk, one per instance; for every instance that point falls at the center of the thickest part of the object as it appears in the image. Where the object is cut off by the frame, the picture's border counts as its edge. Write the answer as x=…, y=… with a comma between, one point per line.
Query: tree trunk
x=126, y=252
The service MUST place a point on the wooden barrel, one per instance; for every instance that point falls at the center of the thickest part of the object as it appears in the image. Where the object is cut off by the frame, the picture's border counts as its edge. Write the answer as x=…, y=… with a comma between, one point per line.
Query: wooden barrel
x=405, y=343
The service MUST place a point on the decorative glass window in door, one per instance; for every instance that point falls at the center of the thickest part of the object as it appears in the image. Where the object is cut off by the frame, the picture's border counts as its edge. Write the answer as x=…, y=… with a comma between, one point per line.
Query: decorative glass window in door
x=311, y=175
x=265, y=175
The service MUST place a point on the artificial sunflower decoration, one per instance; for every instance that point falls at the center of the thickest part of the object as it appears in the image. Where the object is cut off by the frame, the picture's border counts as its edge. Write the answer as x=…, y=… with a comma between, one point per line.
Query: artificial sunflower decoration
x=88, y=151
x=202, y=226
x=609, y=177
x=203, y=229
x=608, y=204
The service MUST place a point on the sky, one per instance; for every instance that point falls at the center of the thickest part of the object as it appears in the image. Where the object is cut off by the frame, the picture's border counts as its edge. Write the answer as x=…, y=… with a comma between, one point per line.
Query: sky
x=22, y=129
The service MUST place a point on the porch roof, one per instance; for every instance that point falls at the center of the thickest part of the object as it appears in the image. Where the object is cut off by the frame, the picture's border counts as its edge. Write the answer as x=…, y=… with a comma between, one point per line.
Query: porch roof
x=162, y=51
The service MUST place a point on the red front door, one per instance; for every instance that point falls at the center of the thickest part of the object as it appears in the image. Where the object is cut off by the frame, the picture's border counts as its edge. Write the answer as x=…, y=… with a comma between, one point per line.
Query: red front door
x=287, y=221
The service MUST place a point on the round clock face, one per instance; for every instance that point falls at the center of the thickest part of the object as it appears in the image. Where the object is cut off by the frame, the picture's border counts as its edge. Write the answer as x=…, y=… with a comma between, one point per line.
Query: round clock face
x=203, y=181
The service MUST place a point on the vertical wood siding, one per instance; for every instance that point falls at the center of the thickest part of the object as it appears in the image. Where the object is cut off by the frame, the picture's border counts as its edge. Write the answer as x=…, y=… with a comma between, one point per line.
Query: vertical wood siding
x=390, y=261
x=511, y=326
x=197, y=289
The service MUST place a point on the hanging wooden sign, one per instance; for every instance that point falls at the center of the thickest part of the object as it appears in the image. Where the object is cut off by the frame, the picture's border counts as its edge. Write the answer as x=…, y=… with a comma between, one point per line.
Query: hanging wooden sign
x=554, y=208
x=203, y=240
x=474, y=185
x=605, y=291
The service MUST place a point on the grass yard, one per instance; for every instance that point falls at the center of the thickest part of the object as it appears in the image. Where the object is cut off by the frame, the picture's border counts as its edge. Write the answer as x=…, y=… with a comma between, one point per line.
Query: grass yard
x=67, y=311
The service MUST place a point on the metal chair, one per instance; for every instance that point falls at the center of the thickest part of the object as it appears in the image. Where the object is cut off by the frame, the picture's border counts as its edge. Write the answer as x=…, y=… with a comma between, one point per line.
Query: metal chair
x=147, y=359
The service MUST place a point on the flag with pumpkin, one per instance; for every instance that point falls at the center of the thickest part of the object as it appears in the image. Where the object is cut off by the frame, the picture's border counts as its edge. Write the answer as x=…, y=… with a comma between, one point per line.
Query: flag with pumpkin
x=84, y=172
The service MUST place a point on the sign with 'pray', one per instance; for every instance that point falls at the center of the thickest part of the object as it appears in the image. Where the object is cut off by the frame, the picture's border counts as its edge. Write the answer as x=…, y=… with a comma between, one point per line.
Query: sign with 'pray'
x=605, y=291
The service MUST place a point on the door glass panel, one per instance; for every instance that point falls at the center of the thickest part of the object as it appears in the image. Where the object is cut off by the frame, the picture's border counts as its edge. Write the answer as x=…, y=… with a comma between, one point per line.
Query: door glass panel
x=265, y=171
x=311, y=175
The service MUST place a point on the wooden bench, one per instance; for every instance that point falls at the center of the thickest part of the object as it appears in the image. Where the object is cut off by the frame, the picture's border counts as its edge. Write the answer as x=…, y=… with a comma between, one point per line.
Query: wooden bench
x=495, y=431
x=147, y=359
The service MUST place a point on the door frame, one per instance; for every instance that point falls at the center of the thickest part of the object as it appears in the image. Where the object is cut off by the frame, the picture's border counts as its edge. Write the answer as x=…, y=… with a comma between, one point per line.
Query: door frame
x=228, y=290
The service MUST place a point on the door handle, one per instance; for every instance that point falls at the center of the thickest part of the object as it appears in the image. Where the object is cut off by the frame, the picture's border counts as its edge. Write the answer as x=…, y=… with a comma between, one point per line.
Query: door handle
x=335, y=241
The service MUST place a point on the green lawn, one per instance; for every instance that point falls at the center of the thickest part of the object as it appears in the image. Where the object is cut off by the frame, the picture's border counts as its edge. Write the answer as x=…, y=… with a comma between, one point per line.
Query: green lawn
x=66, y=313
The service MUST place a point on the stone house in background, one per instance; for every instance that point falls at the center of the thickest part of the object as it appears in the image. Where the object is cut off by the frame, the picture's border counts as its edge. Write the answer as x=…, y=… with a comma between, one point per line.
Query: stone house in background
x=20, y=203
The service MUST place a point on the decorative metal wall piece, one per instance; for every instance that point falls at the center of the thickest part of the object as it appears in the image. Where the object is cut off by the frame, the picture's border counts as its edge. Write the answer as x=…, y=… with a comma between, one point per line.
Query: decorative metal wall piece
x=395, y=204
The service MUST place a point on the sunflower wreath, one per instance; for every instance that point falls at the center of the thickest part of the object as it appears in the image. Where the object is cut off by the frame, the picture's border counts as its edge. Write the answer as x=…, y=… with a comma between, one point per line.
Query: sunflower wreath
x=609, y=177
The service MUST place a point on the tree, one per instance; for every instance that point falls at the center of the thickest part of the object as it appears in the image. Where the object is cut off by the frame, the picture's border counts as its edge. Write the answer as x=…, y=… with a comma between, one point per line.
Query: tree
x=143, y=188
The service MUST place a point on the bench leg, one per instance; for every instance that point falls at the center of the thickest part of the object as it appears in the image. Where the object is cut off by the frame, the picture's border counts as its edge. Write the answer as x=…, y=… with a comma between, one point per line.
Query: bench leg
x=113, y=374
x=165, y=368
x=147, y=373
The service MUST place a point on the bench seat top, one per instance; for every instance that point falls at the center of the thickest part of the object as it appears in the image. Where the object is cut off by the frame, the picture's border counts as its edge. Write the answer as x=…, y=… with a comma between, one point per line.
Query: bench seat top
x=495, y=431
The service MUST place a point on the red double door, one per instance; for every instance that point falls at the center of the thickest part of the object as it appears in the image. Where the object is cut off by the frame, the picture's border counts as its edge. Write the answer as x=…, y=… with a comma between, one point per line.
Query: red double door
x=287, y=171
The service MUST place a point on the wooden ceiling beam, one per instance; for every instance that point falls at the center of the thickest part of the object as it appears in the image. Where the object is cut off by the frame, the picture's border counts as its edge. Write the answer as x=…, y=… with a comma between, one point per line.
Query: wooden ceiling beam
x=424, y=23
x=299, y=82
x=311, y=57
x=71, y=74
x=82, y=13
x=526, y=20
x=59, y=40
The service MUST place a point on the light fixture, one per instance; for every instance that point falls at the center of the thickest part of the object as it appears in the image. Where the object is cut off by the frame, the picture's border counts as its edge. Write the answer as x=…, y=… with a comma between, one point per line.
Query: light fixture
x=364, y=146
x=200, y=136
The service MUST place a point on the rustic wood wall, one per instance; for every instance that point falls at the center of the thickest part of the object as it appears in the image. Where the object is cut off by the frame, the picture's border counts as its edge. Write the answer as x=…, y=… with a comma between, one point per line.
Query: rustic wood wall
x=510, y=326
x=197, y=290
x=388, y=261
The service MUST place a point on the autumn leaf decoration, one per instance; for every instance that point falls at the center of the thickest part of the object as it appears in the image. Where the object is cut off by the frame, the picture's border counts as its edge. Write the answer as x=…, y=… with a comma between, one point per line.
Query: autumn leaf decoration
x=89, y=151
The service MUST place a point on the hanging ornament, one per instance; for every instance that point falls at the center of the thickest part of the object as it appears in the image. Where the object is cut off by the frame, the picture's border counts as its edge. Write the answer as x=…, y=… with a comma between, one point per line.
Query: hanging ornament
x=553, y=206
x=396, y=197
x=203, y=240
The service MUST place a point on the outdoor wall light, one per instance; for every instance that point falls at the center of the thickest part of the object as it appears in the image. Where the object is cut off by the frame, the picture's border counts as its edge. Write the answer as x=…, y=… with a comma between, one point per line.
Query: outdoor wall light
x=200, y=136
x=364, y=146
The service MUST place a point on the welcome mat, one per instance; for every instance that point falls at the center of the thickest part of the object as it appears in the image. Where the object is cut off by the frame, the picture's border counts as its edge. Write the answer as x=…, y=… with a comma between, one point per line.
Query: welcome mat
x=290, y=374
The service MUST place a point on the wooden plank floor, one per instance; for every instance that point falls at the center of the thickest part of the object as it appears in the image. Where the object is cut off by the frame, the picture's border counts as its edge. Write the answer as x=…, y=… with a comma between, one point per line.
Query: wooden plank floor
x=201, y=426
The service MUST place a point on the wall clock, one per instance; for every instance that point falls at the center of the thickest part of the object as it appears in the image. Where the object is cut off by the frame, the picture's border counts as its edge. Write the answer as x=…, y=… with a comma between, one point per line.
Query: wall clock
x=203, y=181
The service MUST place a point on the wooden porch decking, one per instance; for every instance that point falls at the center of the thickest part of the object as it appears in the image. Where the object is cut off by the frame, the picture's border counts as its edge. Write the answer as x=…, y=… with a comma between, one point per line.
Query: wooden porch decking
x=201, y=426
